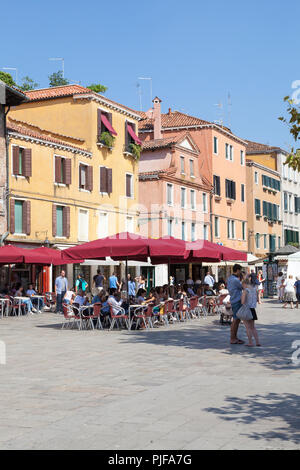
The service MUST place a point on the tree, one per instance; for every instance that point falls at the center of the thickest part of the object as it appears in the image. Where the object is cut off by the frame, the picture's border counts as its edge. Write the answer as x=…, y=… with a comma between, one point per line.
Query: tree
x=293, y=122
x=28, y=84
x=7, y=78
x=97, y=88
x=57, y=79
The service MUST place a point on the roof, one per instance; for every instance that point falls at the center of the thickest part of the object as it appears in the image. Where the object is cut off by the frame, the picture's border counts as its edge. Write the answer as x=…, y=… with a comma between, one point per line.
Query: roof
x=13, y=96
x=286, y=250
x=171, y=119
x=24, y=131
x=73, y=90
x=154, y=144
x=256, y=147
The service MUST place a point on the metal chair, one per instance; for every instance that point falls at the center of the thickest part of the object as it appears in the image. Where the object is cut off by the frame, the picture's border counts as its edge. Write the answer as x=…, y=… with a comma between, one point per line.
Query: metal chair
x=97, y=315
x=71, y=316
x=117, y=319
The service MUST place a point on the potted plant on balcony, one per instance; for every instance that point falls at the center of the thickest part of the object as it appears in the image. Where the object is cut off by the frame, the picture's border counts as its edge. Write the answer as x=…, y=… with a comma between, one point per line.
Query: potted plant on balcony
x=107, y=139
x=135, y=149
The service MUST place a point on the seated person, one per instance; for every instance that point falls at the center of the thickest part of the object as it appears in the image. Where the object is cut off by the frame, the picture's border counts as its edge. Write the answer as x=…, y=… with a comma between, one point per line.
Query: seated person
x=69, y=297
x=208, y=290
x=222, y=290
x=80, y=299
x=140, y=296
x=28, y=304
x=115, y=302
x=98, y=298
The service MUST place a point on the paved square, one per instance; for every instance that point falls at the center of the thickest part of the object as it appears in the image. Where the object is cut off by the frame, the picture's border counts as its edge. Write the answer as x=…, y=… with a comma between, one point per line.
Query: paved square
x=182, y=387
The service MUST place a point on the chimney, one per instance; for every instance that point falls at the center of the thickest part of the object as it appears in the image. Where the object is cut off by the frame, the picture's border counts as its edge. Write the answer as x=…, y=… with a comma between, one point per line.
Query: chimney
x=169, y=112
x=157, y=118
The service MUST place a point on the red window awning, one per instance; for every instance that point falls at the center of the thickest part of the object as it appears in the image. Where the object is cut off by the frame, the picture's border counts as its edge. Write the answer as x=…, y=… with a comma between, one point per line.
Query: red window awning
x=107, y=124
x=133, y=135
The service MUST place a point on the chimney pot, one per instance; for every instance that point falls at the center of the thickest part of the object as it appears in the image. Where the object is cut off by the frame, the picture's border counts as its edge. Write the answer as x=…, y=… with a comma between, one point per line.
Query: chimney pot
x=157, y=118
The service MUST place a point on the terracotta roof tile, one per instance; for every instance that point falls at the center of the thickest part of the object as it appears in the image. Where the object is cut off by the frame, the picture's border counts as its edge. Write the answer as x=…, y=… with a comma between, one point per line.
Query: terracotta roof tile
x=172, y=119
x=12, y=127
x=256, y=147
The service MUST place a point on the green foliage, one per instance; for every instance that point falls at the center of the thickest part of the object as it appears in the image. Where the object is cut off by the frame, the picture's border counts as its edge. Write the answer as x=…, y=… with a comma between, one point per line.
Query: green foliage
x=57, y=79
x=135, y=149
x=293, y=122
x=294, y=244
x=28, y=84
x=107, y=139
x=7, y=78
x=97, y=88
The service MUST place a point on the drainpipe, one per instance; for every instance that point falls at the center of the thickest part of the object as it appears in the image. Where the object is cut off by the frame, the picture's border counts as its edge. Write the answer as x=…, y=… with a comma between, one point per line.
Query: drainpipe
x=7, y=169
x=211, y=214
x=3, y=237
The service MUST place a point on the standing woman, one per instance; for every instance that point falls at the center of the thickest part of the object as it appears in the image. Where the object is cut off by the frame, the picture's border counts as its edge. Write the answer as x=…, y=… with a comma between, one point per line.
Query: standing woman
x=261, y=286
x=249, y=298
x=289, y=292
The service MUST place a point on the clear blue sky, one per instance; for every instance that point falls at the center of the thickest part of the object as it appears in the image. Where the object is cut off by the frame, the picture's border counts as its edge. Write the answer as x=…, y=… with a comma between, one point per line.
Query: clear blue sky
x=195, y=51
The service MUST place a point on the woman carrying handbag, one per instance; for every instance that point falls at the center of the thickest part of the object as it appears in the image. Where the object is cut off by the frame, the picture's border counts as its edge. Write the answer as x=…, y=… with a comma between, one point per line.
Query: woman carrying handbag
x=247, y=312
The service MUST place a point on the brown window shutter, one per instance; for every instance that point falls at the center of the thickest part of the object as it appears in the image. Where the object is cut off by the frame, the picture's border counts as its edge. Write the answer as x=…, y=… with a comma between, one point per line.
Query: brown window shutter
x=80, y=166
x=16, y=160
x=58, y=170
x=12, y=216
x=68, y=171
x=66, y=221
x=109, y=117
x=89, y=178
x=103, y=179
x=99, y=122
x=126, y=136
x=54, y=225
x=128, y=185
x=27, y=217
x=27, y=163
x=109, y=180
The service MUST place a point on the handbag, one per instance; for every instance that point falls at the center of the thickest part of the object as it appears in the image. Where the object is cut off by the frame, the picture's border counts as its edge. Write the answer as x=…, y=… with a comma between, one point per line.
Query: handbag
x=244, y=313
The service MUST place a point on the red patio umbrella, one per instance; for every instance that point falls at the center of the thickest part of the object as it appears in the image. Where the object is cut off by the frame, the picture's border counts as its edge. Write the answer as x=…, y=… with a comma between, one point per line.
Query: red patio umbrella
x=10, y=254
x=52, y=256
x=226, y=253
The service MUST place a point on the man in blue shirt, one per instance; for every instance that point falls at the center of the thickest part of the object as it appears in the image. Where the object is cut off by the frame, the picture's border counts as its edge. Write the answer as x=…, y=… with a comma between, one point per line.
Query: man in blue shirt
x=235, y=289
x=61, y=287
x=113, y=282
x=297, y=287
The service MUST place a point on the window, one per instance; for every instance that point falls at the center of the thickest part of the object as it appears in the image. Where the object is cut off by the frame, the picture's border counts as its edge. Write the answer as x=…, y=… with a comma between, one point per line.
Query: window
x=217, y=185
x=105, y=180
x=193, y=200
x=183, y=230
x=130, y=136
x=169, y=194
x=104, y=124
x=231, y=153
x=18, y=217
x=244, y=231
x=271, y=211
x=85, y=177
x=230, y=189
x=279, y=242
x=170, y=227
x=291, y=236
x=182, y=165
x=255, y=177
x=62, y=170
x=129, y=184
x=265, y=242
x=242, y=192
x=227, y=151
x=217, y=229
x=257, y=206
x=216, y=145
x=204, y=199
x=242, y=157
x=272, y=242
x=129, y=224
x=230, y=228
x=270, y=183
x=59, y=221
x=290, y=203
x=21, y=161
x=182, y=198
x=285, y=201
x=205, y=232
x=103, y=225
x=193, y=231
x=257, y=240
x=297, y=204
x=192, y=168
x=83, y=225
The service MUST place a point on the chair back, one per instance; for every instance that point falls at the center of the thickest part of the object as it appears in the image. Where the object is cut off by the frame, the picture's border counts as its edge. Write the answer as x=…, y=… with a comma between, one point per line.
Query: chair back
x=170, y=305
x=221, y=298
x=97, y=309
x=67, y=311
x=149, y=311
x=193, y=302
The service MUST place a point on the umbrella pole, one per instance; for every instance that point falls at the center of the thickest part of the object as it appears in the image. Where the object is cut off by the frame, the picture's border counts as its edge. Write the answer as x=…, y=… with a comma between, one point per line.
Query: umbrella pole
x=126, y=277
x=169, y=270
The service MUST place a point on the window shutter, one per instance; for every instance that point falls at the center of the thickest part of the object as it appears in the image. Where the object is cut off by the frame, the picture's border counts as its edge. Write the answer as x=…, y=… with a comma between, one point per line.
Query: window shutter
x=233, y=192
x=58, y=170
x=103, y=180
x=16, y=160
x=66, y=221
x=27, y=165
x=68, y=171
x=109, y=117
x=126, y=136
x=99, y=122
x=109, y=180
x=128, y=185
x=226, y=188
x=89, y=185
x=12, y=216
x=26, y=217
x=54, y=220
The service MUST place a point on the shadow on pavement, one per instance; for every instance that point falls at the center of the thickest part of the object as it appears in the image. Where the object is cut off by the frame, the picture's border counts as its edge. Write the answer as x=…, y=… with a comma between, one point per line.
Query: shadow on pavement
x=255, y=408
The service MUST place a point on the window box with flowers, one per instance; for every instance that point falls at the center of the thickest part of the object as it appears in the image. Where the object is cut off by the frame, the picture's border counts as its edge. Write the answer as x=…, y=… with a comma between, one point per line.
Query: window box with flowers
x=107, y=139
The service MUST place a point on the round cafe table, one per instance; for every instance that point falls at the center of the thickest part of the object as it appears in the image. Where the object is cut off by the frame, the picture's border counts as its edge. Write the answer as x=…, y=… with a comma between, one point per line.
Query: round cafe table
x=4, y=306
x=39, y=297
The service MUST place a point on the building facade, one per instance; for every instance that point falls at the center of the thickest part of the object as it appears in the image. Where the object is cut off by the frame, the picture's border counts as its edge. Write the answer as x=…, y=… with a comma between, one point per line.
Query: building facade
x=221, y=162
x=263, y=209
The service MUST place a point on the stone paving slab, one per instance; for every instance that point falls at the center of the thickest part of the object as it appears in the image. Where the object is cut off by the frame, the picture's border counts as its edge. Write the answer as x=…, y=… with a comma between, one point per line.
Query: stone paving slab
x=182, y=387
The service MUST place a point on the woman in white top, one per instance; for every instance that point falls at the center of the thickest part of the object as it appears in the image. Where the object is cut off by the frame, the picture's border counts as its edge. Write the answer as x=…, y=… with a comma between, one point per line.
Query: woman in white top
x=280, y=278
x=249, y=297
x=289, y=292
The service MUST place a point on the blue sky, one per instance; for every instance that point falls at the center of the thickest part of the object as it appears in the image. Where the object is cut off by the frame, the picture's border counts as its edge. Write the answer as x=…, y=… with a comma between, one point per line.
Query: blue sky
x=195, y=51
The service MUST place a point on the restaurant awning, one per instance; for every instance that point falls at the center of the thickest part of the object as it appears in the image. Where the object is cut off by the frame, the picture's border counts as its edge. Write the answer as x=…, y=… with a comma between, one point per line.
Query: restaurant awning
x=133, y=135
x=107, y=124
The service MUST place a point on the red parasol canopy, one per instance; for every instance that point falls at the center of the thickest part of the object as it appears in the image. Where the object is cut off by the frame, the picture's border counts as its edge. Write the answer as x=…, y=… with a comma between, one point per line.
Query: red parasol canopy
x=52, y=256
x=225, y=253
x=10, y=254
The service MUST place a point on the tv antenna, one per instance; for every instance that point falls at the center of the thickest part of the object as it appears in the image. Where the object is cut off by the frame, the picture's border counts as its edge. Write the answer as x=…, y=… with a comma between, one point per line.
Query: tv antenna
x=12, y=68
x=220, y=120
x=150, y=82
x=62, y=64
x=139, y=92
x=229, y=104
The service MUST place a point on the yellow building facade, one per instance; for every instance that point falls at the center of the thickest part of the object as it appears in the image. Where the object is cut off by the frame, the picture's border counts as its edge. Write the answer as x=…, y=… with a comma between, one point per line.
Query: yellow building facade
x=66, y=184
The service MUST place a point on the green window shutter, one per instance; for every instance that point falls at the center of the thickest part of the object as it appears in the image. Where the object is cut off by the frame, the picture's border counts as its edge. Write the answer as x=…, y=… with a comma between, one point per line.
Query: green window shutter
x=59, y=221
x=18, y=216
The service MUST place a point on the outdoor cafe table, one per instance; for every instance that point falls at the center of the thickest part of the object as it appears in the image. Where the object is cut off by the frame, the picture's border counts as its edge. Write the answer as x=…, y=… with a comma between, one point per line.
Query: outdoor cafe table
x=4, y=306
x=131, y=307
x=20, y=300
x=36, y=296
